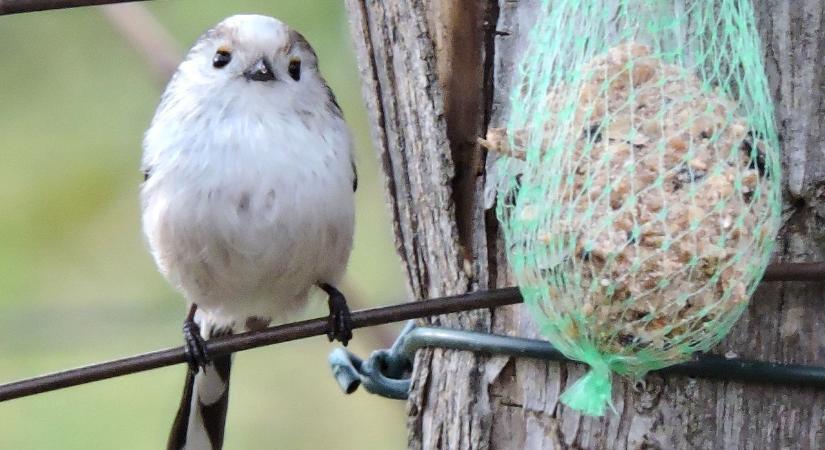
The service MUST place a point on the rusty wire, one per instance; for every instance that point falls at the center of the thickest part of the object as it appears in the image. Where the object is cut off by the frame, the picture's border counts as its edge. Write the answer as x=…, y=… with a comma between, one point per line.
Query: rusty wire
x=249, y=340
x=24, y=6
x=316, y=327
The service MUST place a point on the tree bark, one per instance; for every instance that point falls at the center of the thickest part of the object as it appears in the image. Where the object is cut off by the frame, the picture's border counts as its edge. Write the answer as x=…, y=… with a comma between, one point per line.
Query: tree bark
x=436, y=74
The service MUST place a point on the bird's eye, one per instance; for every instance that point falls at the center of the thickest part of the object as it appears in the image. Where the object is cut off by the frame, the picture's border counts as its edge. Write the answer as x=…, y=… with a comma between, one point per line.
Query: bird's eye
x=221, y=59
x=295, y=69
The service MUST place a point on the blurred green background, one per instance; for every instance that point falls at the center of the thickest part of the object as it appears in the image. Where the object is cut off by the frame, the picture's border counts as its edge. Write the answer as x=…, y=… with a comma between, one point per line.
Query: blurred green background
x=76, y=282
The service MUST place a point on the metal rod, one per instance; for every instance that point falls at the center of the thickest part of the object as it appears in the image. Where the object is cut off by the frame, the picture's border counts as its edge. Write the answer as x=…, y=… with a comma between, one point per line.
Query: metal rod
x=316, y=327
x=246, y=341
x=806, y=271
x=704, y=366
x=712, y=366
x=24, y=6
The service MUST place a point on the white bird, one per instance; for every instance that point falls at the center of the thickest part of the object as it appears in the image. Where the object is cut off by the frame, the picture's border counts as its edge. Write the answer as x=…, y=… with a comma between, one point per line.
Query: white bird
x=248, y=198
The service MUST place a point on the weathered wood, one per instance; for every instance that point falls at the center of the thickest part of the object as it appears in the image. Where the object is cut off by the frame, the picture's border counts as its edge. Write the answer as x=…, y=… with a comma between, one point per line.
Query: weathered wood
x=434, y=74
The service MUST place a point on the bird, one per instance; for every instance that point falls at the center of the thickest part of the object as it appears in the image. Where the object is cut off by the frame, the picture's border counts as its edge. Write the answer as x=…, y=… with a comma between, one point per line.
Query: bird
x=248, y=199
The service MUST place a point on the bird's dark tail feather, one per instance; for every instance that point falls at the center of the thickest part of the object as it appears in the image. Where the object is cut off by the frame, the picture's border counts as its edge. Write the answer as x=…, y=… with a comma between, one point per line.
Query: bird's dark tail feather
x=199, y=423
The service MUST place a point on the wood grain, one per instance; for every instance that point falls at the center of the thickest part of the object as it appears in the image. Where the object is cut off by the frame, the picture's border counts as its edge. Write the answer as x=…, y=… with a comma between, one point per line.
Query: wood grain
x=434, y=74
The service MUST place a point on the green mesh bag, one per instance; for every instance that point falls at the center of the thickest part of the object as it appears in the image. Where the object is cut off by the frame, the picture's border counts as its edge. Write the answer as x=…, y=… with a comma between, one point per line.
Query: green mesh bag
x=641, y=192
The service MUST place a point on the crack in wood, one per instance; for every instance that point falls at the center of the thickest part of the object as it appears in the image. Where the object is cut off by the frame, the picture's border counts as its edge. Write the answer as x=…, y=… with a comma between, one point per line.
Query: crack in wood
x=434, y=186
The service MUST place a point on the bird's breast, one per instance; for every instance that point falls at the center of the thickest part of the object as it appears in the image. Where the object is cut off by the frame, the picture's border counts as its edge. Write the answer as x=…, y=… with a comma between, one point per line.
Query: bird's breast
x=254, y=210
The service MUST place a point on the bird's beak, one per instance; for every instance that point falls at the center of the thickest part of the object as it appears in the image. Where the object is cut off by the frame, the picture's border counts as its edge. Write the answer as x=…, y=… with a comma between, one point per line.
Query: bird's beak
x=260, y=71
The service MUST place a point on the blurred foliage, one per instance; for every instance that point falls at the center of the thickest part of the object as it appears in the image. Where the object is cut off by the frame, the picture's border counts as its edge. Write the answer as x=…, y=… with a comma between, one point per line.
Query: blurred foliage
x=76, y=282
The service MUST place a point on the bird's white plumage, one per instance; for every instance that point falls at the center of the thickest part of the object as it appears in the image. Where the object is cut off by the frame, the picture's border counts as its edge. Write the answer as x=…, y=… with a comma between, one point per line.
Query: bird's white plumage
x=249, y=201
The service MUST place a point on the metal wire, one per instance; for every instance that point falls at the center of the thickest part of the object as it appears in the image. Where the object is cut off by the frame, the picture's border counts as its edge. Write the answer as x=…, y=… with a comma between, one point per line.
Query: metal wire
x=387, y=372
x=806, y=271
x=315, y=327
x=24, y=6
x=246, y=341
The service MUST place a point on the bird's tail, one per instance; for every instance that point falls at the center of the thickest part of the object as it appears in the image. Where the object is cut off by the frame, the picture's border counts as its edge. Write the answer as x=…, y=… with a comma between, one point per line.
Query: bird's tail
x=199, y=424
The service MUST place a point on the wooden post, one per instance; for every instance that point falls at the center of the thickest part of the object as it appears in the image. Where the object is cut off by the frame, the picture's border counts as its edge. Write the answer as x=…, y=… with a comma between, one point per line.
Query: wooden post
x=436, y=74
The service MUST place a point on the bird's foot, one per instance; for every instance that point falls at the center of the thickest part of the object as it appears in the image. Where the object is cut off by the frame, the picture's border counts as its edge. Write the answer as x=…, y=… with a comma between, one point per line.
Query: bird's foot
x=194, y=346
x=339, y=323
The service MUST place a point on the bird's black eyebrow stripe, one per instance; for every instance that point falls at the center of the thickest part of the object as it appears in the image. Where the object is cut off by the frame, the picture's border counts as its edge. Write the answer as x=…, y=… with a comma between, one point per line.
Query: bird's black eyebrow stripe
x=296, y=39
x=332, y=98
x=354, y=177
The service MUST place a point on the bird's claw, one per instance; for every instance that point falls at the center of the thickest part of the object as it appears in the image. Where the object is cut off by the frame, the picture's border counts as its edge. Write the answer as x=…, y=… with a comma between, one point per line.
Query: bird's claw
x=194, y=346
x=339, y=323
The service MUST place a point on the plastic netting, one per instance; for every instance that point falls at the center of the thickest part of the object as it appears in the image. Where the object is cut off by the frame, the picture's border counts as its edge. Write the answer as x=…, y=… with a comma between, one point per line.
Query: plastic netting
x=641, y=197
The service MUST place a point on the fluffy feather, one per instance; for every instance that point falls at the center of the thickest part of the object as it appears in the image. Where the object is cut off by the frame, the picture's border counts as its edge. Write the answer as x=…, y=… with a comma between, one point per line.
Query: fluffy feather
x=248, y=200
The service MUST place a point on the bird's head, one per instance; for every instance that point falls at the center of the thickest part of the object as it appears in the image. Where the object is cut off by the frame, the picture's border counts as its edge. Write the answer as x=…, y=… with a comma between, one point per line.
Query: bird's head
x=252, y=59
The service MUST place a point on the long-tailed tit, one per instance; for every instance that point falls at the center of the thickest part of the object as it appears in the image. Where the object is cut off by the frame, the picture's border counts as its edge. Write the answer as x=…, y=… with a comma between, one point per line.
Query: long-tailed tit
x=248, y=198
